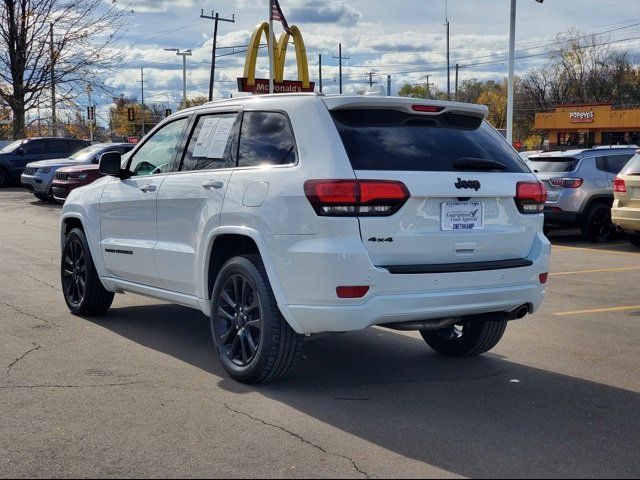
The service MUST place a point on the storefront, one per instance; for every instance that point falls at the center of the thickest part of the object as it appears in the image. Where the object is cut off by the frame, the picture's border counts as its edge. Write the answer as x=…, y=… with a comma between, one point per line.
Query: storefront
x=585, y=126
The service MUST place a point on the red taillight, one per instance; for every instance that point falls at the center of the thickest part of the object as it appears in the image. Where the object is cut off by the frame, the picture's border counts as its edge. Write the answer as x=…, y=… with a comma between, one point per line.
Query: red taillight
x=531, y=197
x=619, y=186
x=356, y=197
x=352, y=292
x=427, y=108
x=567, y=182
x=544, y=278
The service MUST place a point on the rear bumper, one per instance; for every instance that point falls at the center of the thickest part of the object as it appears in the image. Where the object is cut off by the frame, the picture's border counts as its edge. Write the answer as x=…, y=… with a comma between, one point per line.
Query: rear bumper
x=309, y=279
x=561, y=218
x=626, y=218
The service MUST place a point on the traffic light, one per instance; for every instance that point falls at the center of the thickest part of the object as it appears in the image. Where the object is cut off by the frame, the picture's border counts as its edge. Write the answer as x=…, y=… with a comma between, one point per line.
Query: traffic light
x=131, y=114
x=91, y=113
x=167, y=112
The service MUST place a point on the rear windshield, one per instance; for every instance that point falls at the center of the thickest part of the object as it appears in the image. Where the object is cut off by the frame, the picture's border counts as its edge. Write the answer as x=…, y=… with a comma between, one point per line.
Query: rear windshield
x=553, y=164
x=633, y=167
x=393, y=140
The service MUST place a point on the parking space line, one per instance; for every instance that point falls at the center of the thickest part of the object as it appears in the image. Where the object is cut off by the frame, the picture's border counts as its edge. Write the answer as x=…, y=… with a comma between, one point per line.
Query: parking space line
x=602, y=270
x=585, y=249
x=598, y=310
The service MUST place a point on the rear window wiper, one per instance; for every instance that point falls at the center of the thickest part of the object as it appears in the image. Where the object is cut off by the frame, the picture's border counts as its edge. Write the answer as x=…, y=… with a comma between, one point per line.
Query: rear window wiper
x=469, y=163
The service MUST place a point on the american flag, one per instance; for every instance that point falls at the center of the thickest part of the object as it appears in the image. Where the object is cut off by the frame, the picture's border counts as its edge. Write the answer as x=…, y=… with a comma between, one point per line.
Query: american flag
x=277, y=15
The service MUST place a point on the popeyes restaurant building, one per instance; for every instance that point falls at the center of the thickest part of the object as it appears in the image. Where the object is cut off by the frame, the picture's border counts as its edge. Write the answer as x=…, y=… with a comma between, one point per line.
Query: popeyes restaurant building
x=585, y=126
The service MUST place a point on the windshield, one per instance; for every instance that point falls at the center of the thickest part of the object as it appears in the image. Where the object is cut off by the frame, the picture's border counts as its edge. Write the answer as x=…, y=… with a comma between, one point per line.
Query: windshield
x=12, y=146
x=86, y=154
x=633, y=167
x=552, y=164
x=393, y=140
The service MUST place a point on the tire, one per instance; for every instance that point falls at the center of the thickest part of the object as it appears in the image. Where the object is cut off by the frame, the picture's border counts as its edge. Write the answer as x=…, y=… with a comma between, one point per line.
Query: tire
x=597, y=226
x=634, y=238
x=76, y=269
x=254, y=342
x=4, y=177
x=40, y=197
x=466, y=339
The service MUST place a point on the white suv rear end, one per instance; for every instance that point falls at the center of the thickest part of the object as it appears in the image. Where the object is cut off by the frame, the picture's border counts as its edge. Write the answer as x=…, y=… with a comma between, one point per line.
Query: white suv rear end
x=325, y=214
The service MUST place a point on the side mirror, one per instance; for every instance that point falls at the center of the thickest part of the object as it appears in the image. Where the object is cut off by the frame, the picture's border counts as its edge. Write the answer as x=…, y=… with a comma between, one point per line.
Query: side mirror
x=110, y=164
x=21, y=151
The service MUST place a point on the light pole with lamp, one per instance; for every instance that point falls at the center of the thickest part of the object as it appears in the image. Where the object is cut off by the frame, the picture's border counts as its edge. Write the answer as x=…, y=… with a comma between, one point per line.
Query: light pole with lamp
x=184, y=55
x=512, y=53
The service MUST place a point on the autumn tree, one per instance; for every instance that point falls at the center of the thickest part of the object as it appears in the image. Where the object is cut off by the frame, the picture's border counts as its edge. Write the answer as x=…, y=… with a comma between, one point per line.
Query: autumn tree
x=421, y=90
x=122, y=127
x=197, y=101
x=61, y=43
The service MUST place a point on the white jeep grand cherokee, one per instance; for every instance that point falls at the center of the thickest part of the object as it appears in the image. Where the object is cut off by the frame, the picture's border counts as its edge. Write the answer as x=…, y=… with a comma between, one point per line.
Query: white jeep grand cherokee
x=280, y=216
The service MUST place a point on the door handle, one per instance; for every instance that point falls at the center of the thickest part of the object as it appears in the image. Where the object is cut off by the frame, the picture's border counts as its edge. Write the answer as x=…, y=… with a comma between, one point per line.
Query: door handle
x=148, y=188
x=213, y=185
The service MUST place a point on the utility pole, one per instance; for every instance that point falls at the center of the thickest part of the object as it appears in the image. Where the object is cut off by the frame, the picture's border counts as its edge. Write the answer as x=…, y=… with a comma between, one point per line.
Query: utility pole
x=216, y=18
x=458, y=67
x=142, y=81
x=320, y=70
x=90, y=110
x=388, y=85
x=184, y=56
x=54, y=120
x=340, y=58
x=428, y=85
x=370, y=75
x=448, y=53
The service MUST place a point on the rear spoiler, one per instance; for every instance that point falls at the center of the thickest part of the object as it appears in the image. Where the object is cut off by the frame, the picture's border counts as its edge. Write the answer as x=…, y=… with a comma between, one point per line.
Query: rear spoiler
x=411, y=106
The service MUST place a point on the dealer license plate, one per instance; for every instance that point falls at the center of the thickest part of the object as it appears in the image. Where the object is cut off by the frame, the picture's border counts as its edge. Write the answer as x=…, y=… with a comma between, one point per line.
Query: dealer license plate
x=462, y=216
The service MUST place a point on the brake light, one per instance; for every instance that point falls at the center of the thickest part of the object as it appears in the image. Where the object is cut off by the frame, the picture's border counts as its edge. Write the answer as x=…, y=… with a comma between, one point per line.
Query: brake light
x=356, y=197
x=531, y=197
x=619, y=186
x=567, y=182
x=427, y=108
x=544, y=278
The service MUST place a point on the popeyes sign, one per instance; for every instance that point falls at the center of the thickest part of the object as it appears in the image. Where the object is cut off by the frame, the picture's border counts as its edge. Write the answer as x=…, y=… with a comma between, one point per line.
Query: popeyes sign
x=582, y=117
x=249, y=82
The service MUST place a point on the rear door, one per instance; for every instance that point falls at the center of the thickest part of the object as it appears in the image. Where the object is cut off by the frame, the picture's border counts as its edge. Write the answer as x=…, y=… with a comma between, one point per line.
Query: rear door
x=462, y=177
x=190, y=201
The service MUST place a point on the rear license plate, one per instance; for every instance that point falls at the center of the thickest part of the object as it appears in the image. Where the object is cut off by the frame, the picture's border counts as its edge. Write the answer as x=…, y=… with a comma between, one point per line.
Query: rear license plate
x=462, y=216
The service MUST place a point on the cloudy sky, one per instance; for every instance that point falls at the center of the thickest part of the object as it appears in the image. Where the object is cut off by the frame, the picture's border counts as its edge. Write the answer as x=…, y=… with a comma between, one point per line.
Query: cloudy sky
x=401, y=38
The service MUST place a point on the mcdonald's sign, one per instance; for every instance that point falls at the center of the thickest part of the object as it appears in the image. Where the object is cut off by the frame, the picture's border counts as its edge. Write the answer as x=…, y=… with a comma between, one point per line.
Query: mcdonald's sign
x=249, y=82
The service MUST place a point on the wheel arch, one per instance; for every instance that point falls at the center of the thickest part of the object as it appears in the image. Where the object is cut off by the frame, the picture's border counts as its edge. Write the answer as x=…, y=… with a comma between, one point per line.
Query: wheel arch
x=227, y=242
x=598, y=200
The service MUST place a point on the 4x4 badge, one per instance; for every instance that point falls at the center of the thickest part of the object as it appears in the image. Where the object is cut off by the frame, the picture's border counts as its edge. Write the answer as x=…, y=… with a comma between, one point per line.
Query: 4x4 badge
x=475, y=184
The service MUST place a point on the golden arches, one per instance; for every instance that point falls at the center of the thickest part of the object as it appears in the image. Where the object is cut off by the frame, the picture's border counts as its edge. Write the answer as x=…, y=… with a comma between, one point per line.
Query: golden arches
x=279, y=53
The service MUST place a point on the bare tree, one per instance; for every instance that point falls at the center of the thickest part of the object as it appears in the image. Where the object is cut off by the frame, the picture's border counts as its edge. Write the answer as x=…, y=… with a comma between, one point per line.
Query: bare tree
x=63, y=44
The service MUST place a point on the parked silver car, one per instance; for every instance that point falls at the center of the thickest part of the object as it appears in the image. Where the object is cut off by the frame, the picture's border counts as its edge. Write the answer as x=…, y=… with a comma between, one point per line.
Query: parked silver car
x=38, y=176
x=580, y=188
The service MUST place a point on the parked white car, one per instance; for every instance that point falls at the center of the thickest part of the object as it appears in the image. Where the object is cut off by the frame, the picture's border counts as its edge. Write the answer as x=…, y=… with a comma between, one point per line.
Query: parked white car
x=287, y=215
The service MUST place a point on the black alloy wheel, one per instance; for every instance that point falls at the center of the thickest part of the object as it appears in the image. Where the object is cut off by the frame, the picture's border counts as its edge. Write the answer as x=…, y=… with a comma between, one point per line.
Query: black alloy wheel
x=74, y=276
x=239, y=319
x=599, y=228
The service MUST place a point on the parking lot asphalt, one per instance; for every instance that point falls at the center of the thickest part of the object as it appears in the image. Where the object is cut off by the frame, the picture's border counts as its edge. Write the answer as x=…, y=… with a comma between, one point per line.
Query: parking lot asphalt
x=139, y=393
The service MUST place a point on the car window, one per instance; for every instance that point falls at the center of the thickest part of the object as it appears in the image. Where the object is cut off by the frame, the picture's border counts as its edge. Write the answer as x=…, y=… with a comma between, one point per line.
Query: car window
x=34, y=147
x=157, y=153
x=615, y=163
x=632, y=167
x=211, y=144
x=394, y=140
x=57, y=146
x=553, y=164
x=266, y=138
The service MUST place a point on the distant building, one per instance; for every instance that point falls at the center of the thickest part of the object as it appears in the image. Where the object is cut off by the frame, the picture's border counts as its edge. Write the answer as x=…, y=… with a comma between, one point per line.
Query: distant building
x=589, y=125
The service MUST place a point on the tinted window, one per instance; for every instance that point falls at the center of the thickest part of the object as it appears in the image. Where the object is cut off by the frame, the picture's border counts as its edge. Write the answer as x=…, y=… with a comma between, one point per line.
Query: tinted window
x=57, y=146
x=553, y=164
x=393, y=140
x=35, y=147
x=211, y=144
x=157, y=153
x=266, y=139
x=616, y=163
x=633, y=167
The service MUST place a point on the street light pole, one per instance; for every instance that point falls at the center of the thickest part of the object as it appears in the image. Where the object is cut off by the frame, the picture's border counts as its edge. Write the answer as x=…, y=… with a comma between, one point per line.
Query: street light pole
x=184, y=55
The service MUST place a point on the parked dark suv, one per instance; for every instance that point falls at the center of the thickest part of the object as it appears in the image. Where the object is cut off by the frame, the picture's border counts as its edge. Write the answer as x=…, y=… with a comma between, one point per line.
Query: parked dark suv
x=15, y=156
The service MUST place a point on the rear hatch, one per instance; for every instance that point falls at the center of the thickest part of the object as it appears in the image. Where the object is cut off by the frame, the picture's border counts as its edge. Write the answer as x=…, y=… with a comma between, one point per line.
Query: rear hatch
x=548, y=166
x=630, y=174
x=462, y=178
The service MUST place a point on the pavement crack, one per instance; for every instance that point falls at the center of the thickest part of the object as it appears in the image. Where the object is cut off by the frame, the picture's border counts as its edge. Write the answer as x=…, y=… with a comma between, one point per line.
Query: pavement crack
x=300, y=438
x=35, y=348
x=36, y=317
x=99, y=385
x=41, y=281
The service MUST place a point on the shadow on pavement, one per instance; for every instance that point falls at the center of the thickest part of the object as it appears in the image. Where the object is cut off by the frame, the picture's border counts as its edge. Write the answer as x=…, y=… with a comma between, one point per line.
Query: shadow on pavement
x=480, y=417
